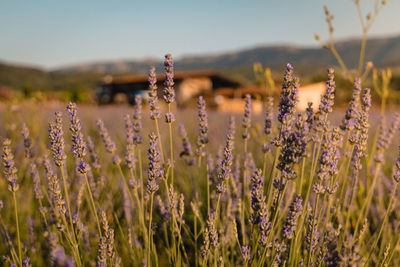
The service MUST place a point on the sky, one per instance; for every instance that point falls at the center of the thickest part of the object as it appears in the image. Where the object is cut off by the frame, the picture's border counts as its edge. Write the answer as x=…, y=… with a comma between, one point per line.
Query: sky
x=51, y=34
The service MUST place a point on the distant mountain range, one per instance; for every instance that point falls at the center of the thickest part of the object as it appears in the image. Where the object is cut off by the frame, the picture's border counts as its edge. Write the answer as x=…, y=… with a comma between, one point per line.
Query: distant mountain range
x=308, y=61
x=382, y=51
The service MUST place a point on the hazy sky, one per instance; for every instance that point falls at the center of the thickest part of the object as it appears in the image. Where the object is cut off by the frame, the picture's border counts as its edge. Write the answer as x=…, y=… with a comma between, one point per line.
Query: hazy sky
x=55, y=33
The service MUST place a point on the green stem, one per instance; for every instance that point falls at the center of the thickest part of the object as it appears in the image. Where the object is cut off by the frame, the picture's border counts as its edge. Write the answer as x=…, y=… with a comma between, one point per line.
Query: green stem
x=159, y=140
x=68, y=202
x=171, y=147
x=382, y=224
x=92, y=204
x=312, y=231
x=17, y=225
x=149, y=231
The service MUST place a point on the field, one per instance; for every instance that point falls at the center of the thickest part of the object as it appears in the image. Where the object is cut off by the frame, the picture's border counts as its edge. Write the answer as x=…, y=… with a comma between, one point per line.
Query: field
x=153, y=185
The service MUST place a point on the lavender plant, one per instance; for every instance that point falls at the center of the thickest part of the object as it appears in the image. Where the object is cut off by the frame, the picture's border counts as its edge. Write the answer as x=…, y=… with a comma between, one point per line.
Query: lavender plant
x=289, y=188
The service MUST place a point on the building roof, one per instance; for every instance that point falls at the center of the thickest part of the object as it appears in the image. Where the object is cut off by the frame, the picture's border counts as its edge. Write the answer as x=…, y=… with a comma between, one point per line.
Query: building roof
x=138, y=78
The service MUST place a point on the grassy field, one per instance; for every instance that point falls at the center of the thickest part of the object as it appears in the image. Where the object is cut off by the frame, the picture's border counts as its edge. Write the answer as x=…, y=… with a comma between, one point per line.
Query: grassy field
x=281, y=188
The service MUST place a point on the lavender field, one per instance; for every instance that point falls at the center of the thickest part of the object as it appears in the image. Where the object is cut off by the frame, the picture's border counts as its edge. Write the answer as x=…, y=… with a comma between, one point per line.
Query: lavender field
x=152, y=185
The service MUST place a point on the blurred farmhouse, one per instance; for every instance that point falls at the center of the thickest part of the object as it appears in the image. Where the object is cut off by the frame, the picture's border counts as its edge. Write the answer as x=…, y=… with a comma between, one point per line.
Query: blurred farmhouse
x=222, y=93
x=188, y=85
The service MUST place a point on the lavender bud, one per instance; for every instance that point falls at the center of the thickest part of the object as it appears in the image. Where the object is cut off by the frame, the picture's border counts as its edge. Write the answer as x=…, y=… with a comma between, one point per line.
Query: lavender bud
x=293, y=215
x=37, y=189
x=169, y=92
x=155, y=111
x=57, y=140
x=110, y=145
x=202, y=138
x=187, y=147
x=27, y=141
x=247, y=117
x=288, y=96
x=137, y=120
x=155, y=170
x=78, y=144
x=268, y=116
x=10, y=171
x=94, y=158
x=353, y=109
x=169, y=117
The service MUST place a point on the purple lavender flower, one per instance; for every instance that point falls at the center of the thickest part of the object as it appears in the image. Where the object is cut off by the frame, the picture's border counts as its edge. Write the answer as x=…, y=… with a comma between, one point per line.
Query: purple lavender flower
x=312, y=235
x=155, y=111
x=224, y=168
x=293, y=215
x=212, y=230
x=56, y=136
x=327, y=100
x=187, y=147
x=102, y=253
x=130, y=146
x=360, y=133
x=155, y=171
x=169, y=92
x=78, y=144
x=54, y=190
x=265, y=224
x=202, y=138
x=293, y=146
x=257, y=195
x=137, y=120
x=205, y=248
x=269, y=115
x=110, y=145
x=10, y=171
x=353, y=109
x=330, y=155
x=37, y=189
x=246, y=253
x=27, y=141
x=93, y=153
x=288, y=97
x=169, y=117
x=247, y=117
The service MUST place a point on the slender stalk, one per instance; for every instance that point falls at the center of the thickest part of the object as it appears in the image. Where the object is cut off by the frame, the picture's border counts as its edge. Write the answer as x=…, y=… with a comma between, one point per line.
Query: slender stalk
x=141, y=176
x=195, y=240
x=367, y=202
x=382, y=224
x=362, y=52
x=312, y=231
x=67, y=200
x=17, y=225
x=171, y=147
x=159, y=140
x=149, y=231
x=92, y=204
x=208, y=190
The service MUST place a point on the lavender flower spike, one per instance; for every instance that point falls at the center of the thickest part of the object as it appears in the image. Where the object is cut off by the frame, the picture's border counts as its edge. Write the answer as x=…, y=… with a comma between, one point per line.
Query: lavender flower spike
x=27, y=141
x=202, y=139
x=169, y=92
x=155, y=170
x=57, y=140
x=10, y=171
x=78, y=143
x=268, y=115
x=137, y=120
x=247, y=117
x=110, y=145
x=294, y=213
x=288, y=96
x=155, y=111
